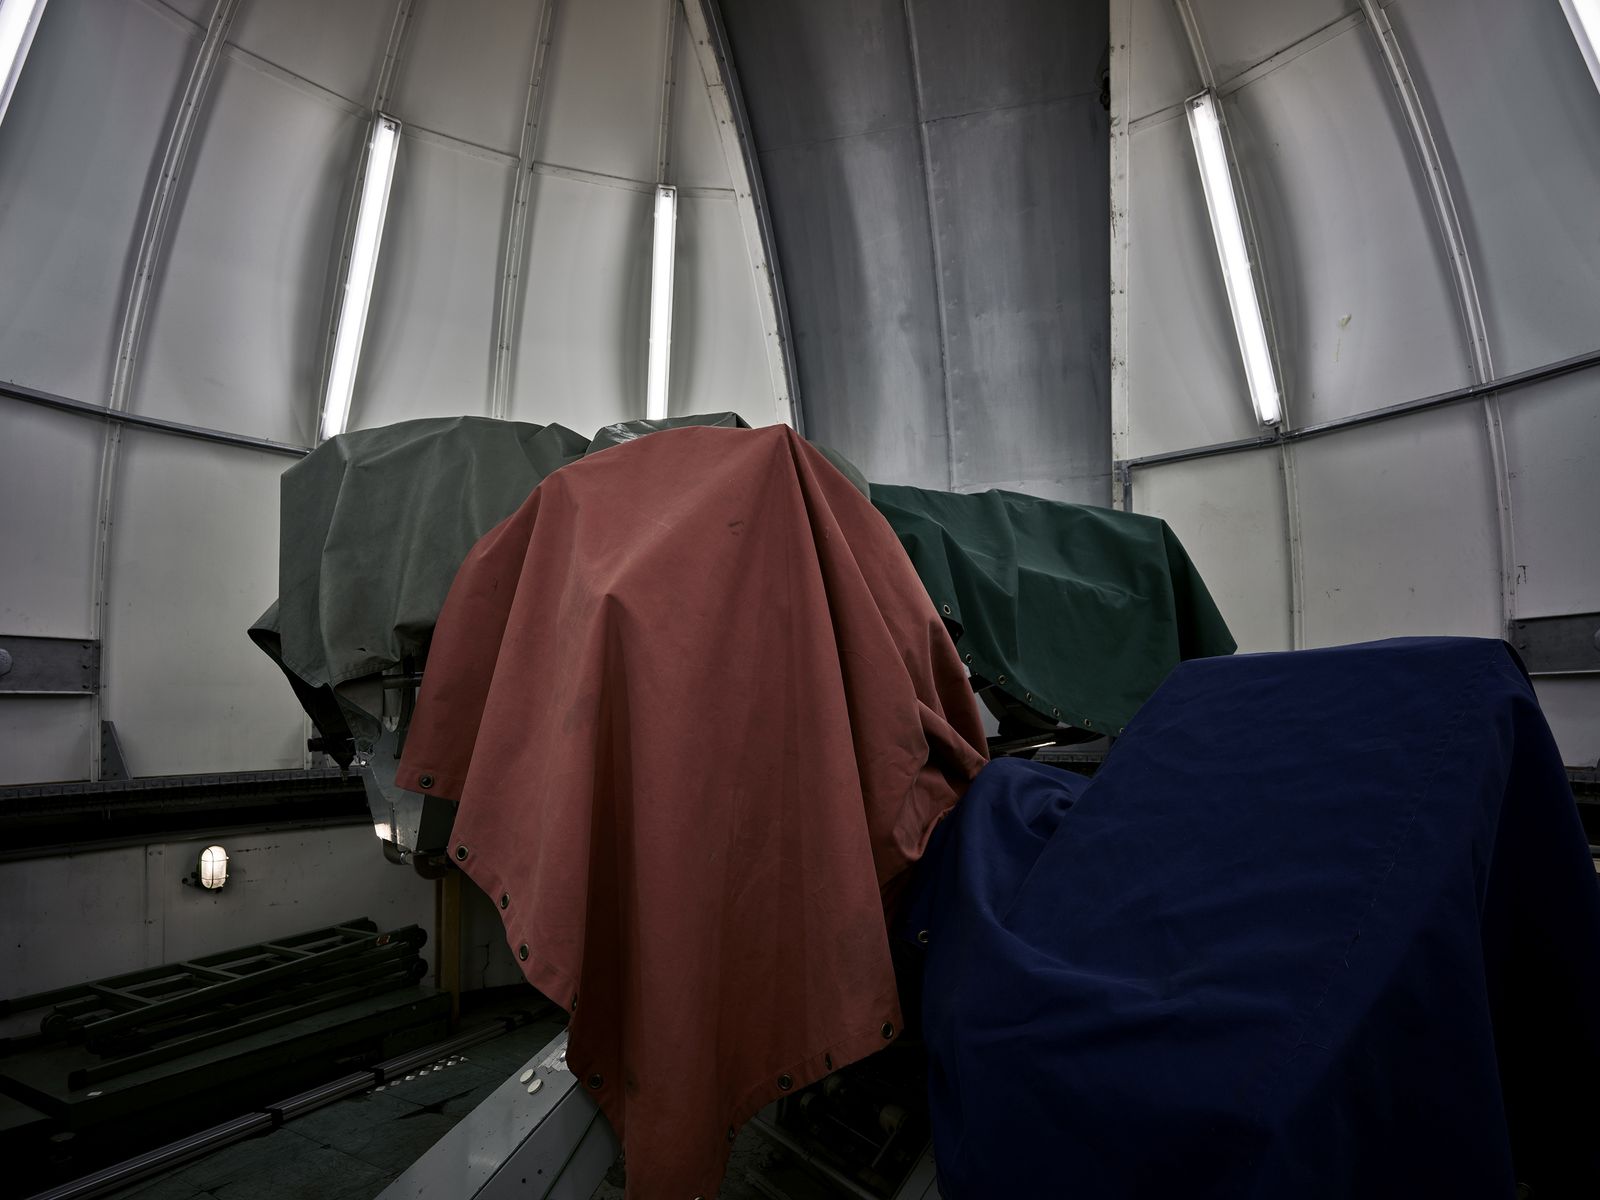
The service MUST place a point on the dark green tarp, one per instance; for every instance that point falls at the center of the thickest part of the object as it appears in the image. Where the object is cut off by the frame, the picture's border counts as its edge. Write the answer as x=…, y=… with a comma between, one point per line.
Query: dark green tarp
x=373, y=525
x=1077, y=612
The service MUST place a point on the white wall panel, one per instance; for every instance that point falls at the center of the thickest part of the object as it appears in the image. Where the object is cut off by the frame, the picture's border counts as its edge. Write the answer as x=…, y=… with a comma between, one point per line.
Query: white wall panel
x=49, y=470
x=1552, y=443
x=1238, y=36
x=56, y=909
x=1185, y=380
x=343, y=55
x=1365, y=312
x=131, y=905
x=581, y=345
x=604, y=102
x=1398, y=530
x=43, y=740
x=1572, y=706
x=695, y=142
x=466, y=67
x=1163, y=70
x=238, y=323
x=1522, y=120
x=194, y=562
x=430, y=330
x=1228, y=512
x=719, y=360
x=76, y=149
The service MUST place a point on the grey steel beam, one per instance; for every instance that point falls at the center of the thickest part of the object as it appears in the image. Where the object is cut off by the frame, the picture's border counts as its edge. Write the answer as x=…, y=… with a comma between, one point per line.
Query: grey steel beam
x=99, y=412
x=513, y=284
x=48, y=666
x=1563, y=645
x=1506, y=384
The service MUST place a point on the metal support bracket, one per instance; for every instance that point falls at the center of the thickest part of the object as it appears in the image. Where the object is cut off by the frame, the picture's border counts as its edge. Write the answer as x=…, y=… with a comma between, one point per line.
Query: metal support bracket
x=1564, y=645
x=113, y=767
x=47, y=666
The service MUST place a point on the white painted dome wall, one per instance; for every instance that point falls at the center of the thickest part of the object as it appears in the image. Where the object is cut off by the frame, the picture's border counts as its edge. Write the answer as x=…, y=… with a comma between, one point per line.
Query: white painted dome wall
x=239, y=301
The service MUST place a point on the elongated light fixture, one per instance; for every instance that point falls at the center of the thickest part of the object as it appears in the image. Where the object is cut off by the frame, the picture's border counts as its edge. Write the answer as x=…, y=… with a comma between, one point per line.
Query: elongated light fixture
x=655, y=402
x=352, y=327
x=1584, y=17
x=1227, y=230
x=19, y=19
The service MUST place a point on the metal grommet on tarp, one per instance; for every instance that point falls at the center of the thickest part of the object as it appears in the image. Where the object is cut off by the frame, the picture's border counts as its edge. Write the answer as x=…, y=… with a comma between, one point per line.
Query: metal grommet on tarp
x=522, y=952
x=425, y=781
x=596, y=1082
x=785, y=1082
x=967, y=658
x=827, y=1061
x=945, y=608
x=505, y=900
x=574, y=1001
x=1000, y=679
x=888, y=1030
x=461, y=853
x=922, y=937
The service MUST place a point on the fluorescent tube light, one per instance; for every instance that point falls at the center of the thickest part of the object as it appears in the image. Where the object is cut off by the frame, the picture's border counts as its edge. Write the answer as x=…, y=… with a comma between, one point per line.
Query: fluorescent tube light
x=18, y=21
x=1584, y=17
x=1227, y=230
x=372, y=207
x=655, y=403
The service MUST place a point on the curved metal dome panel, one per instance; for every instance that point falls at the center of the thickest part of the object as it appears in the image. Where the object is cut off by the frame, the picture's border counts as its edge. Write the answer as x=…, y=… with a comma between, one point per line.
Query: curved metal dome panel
x=176, y=184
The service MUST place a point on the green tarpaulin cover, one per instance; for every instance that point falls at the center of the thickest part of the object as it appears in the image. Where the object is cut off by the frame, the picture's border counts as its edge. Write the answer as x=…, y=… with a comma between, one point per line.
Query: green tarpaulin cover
x=1077, y=612
x=373, y=525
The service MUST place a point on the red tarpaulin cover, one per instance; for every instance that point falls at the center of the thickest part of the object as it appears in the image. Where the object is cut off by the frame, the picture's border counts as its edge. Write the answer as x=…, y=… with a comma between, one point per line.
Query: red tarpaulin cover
x=701, y=717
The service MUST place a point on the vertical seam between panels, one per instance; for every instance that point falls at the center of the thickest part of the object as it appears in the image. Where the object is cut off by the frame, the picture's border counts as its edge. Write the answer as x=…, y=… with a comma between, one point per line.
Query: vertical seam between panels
x=1448, y=225
x=513, y=279
x=924, y=163
x=668, y=85
x=149, y=261
x=1121, y=155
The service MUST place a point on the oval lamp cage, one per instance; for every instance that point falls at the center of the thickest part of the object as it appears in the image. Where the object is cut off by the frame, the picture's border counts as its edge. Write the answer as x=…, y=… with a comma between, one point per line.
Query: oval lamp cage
x=213, y=870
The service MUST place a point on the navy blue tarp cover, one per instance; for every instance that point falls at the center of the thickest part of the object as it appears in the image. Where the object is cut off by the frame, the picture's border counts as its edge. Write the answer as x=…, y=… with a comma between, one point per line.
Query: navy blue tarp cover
x=1325, y=924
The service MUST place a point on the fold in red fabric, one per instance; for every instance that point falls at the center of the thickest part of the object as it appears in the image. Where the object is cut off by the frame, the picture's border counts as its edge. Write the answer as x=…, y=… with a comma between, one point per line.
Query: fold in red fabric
x=701, y=718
